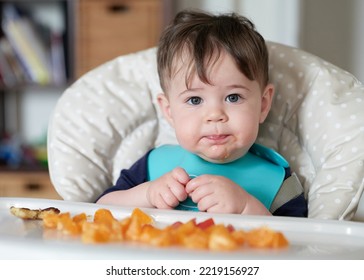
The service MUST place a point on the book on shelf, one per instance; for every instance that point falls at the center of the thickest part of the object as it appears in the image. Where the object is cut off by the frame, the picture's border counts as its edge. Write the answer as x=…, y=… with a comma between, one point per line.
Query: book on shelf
x=39, y=63
x=10, y=68
x=8, y=77
x=58, y=59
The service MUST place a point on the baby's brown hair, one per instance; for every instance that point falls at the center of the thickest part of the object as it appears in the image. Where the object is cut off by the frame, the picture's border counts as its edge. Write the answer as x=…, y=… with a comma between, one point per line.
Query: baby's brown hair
x=203, y=36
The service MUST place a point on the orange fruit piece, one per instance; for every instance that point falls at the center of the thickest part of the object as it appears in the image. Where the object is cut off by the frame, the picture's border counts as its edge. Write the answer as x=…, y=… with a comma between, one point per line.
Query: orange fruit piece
x=198, y=239
x=63, y=220
x=183, y=230
x=80, y=218
x=95, y=233
x=265, y=237
x=279, y=240
x=259, y=237
x=139, y=227
x=138, y=219
x=221, y=239
x=50, y=220
x=103, y=216
x=142, y=217
x=239, y=236
x=66, y=225
x=155, y=236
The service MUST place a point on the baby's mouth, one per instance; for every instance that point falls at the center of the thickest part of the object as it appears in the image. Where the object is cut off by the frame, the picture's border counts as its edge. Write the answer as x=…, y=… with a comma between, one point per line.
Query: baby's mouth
x=217, y=138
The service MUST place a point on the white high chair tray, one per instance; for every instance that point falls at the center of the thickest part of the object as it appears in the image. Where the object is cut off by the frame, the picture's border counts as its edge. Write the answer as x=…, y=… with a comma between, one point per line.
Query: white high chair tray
x=309, y=239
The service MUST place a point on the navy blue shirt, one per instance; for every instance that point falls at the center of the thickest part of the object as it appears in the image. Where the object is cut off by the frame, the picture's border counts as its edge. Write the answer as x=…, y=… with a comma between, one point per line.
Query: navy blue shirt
x=137, y=174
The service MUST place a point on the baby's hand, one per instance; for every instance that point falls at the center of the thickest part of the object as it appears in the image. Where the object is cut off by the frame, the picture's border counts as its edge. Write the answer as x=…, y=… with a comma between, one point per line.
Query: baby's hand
x=168, y=190
x=217, y=194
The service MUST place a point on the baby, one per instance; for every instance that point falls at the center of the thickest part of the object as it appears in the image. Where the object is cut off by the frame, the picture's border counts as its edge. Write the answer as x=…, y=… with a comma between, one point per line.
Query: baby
x=213, y=71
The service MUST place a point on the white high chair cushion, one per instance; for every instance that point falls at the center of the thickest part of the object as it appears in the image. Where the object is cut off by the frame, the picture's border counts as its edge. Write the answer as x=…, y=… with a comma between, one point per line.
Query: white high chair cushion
x=103, y=123
x=109, y=118
x=316, y=122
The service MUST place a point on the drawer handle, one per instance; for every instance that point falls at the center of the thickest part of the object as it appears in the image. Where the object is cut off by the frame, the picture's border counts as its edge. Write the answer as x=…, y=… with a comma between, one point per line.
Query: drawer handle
x=33, y=187
x=118, y=8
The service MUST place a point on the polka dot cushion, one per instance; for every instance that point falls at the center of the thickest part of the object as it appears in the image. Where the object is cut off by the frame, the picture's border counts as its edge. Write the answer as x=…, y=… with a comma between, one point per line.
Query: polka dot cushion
x=109, y=118
x=101, y=124
x=317, y=123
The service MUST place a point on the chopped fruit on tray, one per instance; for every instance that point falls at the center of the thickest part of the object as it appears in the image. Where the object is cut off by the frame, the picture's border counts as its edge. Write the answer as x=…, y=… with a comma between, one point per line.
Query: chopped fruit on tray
x=139, y=227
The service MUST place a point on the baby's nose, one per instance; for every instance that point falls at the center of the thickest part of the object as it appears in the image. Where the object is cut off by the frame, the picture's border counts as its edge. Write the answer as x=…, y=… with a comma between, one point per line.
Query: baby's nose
x=217, y=115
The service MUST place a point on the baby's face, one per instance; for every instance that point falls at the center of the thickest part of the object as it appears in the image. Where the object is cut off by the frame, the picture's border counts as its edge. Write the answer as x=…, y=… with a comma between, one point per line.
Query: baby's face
x=217, y=121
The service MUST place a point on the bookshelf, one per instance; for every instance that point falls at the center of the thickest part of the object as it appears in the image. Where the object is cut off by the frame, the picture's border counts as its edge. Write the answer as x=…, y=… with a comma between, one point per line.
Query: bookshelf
x=35, y=41
x=35, y=53
x=54, y=43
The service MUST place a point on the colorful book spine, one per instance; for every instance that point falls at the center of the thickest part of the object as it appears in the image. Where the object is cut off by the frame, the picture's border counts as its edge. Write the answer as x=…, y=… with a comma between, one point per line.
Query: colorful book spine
x=27, y=47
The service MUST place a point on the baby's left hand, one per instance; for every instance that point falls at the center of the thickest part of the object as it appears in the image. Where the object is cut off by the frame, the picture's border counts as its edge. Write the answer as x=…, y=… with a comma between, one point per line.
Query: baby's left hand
x=217, y=194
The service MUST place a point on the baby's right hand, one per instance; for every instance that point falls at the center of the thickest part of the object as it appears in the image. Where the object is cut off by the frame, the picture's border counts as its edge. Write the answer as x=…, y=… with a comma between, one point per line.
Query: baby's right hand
x=168, y=190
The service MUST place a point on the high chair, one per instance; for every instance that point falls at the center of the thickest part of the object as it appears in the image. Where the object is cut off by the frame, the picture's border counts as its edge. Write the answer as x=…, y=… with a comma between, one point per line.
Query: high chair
x=109, y=118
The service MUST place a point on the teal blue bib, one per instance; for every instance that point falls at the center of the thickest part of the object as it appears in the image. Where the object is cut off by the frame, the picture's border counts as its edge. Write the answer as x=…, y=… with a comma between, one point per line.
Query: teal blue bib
x=260, y=172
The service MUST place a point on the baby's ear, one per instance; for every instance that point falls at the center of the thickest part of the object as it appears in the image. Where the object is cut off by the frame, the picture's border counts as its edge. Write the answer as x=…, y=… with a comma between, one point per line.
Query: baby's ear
x=267, y=98
x=165, y=107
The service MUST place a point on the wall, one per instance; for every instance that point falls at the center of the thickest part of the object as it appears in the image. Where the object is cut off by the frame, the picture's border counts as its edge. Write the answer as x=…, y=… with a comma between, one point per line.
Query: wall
x=35, y=111
x=331, y=29
x=358, y=46
x=269, y=16
x=27, y=112
x=328, y=28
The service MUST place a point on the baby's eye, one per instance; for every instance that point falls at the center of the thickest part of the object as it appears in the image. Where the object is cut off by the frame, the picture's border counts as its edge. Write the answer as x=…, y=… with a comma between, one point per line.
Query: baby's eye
x=233, y=98
x=194, y=100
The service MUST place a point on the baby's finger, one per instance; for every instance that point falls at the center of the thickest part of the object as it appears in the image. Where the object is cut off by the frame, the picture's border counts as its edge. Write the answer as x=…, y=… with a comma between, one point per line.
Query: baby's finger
x=160, y=203
x=178, y=191
x=197, y=182
x=169, y=198
x=180, y=175
x=201, y=192
x=208, y=203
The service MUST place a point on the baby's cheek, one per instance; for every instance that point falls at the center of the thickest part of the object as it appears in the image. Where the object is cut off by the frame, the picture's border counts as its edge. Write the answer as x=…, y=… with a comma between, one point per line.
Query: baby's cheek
x=186, y=139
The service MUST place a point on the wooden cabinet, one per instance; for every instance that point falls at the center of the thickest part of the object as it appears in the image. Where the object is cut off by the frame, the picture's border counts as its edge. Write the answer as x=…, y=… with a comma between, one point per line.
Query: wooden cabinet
x=106, y=29
x=27, y=184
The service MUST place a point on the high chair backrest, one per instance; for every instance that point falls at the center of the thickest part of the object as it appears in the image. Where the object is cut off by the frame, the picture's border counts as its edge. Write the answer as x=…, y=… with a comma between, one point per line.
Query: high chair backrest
x=109, y=118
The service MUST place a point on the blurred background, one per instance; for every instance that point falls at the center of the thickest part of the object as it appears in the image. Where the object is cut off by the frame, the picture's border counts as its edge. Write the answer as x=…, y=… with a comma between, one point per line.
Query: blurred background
x=63, y=39
x=332, y=29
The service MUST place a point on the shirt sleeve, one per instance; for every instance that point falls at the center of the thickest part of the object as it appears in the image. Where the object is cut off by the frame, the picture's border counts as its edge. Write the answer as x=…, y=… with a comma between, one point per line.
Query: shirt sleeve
x=296, y=207
x=129, y=178
x=290, y=200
